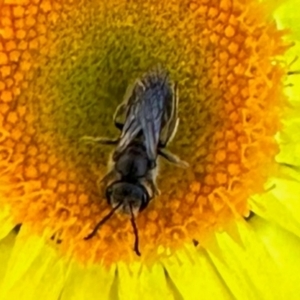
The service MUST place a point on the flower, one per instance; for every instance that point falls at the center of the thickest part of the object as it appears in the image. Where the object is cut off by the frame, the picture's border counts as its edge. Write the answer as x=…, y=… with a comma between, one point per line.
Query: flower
x=64, y=69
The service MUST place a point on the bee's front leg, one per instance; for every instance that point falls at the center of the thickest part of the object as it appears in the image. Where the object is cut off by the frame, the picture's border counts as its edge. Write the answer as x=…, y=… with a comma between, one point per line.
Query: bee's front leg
x=149, y=182
x=106, y=180
x=155, y=188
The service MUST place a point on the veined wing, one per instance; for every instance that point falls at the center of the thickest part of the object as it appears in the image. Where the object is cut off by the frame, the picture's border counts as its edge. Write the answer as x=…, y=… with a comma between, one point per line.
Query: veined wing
x=147, y=108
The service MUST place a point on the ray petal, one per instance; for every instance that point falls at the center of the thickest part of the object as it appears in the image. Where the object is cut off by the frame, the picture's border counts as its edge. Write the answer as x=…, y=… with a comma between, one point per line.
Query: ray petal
x=141, y=282
x=192, y=276
x=284, y=248
x=6, y=245
x=92, y=282
x=6, y=224
x=249, y=270
x=280, y=205
x=33, y=269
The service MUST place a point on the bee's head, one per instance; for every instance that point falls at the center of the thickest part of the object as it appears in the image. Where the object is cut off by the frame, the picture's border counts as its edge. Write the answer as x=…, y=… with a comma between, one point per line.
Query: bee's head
x=132, y=196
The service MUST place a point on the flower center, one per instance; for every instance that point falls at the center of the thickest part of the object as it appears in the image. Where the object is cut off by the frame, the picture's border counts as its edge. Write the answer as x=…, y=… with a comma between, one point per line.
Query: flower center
x=65, y=68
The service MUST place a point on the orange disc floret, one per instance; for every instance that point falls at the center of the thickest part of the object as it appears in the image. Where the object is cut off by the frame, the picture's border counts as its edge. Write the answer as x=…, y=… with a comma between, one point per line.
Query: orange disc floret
x=64, y=68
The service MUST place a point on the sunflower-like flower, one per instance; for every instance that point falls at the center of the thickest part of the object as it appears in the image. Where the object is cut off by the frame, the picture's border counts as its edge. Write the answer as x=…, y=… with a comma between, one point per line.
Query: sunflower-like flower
x=64, y=68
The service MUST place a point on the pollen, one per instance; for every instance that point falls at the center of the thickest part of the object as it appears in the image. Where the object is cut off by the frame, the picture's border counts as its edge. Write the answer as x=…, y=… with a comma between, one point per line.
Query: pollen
x=58, y=84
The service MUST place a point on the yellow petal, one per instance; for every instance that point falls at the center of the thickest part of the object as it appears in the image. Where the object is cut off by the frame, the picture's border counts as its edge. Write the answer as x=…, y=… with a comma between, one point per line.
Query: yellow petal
x=248, y=269
x=192, y=275
x=94, y=282
x=137, y=281
x=287, y=16
x=6, y=223
x=280, y=205
x=284, y=247
x=33, y=271
x=6, y=245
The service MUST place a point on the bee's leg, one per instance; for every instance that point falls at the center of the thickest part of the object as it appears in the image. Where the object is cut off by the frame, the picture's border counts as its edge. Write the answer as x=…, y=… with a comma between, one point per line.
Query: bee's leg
x=100, y=140
x=149, y=181
x=106, y=180
x=154, y=188
x=174, y=159
x=108, y=177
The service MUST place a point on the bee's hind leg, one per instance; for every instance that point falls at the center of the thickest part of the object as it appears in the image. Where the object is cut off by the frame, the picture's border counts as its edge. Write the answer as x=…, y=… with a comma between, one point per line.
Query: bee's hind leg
x=100, y=140
x=172, y=158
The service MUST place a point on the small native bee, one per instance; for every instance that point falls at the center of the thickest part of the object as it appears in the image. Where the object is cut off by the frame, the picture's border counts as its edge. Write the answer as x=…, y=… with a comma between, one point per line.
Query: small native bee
x=148, y=120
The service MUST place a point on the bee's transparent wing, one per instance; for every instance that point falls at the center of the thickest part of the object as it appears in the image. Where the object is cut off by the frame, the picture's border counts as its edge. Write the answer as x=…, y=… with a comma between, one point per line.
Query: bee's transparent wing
x=150, y=106
x=126, y=116
x=169, y=130
x=150, y=118
x=171, y=119
x=128, y=104
x=155, y=108
x=144, y=115
x=120, y=115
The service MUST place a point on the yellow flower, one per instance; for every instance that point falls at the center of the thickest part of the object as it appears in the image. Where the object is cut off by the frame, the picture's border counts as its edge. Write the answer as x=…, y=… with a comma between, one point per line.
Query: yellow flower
x=64, y=68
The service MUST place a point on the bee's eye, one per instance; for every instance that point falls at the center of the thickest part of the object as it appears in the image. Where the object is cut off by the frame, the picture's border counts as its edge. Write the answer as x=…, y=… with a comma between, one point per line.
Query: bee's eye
x=145, y=202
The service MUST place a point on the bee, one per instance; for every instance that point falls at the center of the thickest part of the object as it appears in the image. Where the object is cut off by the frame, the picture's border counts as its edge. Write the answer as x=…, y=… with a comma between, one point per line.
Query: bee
x=148, y=120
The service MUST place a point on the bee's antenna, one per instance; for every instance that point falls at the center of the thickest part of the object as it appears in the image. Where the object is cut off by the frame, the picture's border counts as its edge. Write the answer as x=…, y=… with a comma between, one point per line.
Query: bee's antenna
x=136, y=234
x=102, y=222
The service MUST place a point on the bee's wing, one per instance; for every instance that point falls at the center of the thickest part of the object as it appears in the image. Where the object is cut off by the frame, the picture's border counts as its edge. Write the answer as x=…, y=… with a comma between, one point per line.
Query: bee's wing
x=126, y=116
x=159, y=119
x=150, y=117
x=148, y=107
x=171, y=119
x=127, y=106
x=145, y=111
x=120, y=115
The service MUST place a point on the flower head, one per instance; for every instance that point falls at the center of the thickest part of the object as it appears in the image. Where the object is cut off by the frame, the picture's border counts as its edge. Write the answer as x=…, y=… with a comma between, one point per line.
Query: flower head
x=65, y=68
